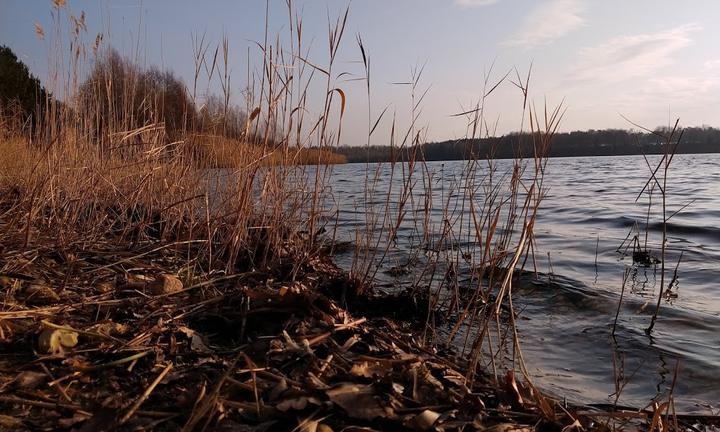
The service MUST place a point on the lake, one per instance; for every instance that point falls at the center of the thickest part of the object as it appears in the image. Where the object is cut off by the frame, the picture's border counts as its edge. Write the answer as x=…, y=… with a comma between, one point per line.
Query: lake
x=567, y=310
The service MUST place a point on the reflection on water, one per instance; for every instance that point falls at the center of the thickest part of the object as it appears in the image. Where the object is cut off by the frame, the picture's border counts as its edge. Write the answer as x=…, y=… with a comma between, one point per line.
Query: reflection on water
x=569, y=310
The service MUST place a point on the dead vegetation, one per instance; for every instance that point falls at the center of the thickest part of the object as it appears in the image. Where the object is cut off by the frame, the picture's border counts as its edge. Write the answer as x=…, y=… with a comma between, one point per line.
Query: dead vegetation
x=104, y=337
x=143, y=291
x=100, y=337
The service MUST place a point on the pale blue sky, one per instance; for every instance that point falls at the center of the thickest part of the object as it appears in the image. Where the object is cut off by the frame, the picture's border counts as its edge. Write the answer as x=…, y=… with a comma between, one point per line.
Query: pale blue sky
x=645, y=59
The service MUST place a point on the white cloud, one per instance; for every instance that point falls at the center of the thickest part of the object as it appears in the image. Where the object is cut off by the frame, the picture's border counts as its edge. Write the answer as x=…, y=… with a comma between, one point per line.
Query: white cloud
x=547, y=22
x=474, y=3
x=678, y=92
x=711, y=66
x=625, y=57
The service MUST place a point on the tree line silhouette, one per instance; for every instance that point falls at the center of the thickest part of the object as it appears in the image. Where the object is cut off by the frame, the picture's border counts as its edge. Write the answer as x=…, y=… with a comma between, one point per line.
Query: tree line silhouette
x=117, y=95
x=607, y=142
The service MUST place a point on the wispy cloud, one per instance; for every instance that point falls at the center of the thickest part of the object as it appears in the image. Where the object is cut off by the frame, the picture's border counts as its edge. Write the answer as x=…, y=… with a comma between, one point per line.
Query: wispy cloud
x=682, y=93
x=626, y=57
x=474, y=3
x=547, y=22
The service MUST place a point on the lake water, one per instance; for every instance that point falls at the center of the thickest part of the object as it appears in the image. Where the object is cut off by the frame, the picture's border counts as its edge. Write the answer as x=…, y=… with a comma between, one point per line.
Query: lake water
x=568, y=312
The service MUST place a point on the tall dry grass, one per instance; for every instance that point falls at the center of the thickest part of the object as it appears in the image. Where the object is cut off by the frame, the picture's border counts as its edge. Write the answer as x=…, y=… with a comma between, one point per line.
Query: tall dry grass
x=467, y=291
x=93, y=174
x=106, y=164
x=230, y=153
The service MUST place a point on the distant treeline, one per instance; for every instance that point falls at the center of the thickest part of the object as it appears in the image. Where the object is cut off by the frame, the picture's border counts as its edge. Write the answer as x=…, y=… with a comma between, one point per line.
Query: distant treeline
x=118, y=95
x=606, y=142
x=21, y=94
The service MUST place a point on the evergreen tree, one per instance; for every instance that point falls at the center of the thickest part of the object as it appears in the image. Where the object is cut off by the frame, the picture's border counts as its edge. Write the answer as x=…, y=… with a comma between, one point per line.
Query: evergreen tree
x=18, y=87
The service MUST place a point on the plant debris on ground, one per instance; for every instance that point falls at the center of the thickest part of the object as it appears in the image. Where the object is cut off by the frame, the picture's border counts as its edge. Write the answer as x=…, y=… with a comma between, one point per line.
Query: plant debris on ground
x=105, y=337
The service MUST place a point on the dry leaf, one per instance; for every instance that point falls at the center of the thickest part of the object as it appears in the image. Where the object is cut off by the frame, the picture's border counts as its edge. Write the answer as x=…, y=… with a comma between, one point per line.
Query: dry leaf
x=279, y=389
x=508, y=427
x=358, y=401
x=315, y=426
x=109, y=328
x=75, y=419
x=7, y=282
x=39, y=32
x=576, y=425
x=10, y=423
x=105, y=287
x=28, y=380
x=298, y=403
x=56, y=341
x=39, y=294
x=197, y=343
x=369, y=370
x=423, y=421
x=165, y=284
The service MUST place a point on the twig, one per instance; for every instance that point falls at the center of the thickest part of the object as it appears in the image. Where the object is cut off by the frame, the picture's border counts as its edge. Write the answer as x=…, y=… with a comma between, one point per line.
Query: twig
x=117, y=362
x=165, y=246
x=146, y=394
x=204, y=405
x=622, y=293
x=61, y=391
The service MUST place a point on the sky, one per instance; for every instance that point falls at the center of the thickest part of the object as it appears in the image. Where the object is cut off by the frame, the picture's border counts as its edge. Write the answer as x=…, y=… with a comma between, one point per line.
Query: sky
x=649, y=61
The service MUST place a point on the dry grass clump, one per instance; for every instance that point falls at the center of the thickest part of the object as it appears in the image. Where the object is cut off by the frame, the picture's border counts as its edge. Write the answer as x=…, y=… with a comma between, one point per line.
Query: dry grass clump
x=222, y=152
x=16, y=159
x=316, y=156
x=125, y=157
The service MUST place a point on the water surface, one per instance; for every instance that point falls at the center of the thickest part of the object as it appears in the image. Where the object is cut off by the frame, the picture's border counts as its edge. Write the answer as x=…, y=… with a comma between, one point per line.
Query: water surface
x=567, y=312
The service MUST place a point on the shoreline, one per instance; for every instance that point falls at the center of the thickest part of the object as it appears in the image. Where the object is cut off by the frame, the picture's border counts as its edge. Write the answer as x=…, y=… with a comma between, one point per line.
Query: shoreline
x=108, y=343
x=108, y=337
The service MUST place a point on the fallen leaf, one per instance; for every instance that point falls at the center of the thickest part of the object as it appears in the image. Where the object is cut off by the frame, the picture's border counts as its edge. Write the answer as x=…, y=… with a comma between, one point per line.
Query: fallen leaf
x=576, y=425
x=315, y=426
x=8, y=283
x=165, y=284
x=39, y=294
x=315, y=383
x=105, y=287
x=28, y=380
x=298, y=403
x=508, y=427
x=358, y=401
x=197, y=342
x=352, y=340
x=109, y=328
x=279, y=389
x=369, y=370
x=11, y=423
x=72, y=421
x=56, y=341
x=423, y=421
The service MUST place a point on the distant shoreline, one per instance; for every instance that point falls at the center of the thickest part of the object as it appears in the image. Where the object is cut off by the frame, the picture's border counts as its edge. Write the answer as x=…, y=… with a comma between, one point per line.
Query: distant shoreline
x=551, y=157
x=612, y=142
